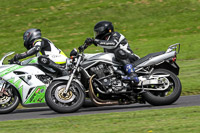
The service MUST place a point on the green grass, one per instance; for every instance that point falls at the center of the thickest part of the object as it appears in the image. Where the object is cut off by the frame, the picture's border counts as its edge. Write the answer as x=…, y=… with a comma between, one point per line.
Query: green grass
x=149, y=25
x=189, y=74
x=175, y=120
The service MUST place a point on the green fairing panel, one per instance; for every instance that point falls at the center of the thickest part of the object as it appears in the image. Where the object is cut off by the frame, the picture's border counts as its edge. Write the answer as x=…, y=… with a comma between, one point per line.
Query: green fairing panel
x=11, y=80
x=13, y=68
x=17, y=85
x=21, y=91
x=38, y=95
x=34, y=61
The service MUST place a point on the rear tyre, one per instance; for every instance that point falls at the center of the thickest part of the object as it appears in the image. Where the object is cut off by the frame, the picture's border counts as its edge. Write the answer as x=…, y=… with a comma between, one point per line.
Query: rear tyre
x=8, y=103
x=167, y=96
x=64, y=103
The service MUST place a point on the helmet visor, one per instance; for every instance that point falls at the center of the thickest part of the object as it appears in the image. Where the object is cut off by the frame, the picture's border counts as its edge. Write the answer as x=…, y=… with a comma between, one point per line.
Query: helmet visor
x=96, y=34
x=26, y=35
x=98, y=31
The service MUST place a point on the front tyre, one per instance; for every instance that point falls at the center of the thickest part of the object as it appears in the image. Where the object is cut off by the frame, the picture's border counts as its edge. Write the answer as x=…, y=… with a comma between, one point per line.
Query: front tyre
x=9, y=101
x=64, y=103
x=167, y=96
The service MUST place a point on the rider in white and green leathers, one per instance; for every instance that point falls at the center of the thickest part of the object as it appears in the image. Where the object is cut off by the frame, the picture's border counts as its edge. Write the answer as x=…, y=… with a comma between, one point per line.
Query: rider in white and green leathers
x=48, y=54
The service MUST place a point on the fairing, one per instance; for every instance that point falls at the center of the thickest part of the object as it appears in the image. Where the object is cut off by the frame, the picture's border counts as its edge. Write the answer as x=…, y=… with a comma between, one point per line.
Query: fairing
x=24, y=79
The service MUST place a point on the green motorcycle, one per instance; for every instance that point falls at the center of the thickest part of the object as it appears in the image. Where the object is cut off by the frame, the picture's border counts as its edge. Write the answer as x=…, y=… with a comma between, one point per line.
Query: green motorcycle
x=24, y=82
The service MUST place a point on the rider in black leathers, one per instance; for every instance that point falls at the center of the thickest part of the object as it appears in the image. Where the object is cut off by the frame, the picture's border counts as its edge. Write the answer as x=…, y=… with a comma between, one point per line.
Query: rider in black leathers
x=48, y=54
x=114, y=42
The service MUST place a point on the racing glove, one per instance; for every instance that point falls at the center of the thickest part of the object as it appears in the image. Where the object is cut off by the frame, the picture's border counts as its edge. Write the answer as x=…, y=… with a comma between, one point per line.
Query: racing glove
x=15, y=58
x=18, y=57
x=89, y=41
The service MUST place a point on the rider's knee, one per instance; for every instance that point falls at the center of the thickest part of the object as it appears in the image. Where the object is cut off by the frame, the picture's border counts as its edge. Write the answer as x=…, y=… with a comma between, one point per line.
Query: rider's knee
x=121, y=54
x=43, y=60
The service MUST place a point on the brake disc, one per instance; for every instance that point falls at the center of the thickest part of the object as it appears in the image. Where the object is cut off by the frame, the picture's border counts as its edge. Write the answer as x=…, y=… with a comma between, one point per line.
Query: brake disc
x=62, y=97
x=4, y=99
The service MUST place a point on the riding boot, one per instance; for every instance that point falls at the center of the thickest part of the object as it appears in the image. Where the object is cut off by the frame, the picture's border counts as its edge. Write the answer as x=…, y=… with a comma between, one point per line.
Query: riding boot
x=131, y=75
x=58, y=68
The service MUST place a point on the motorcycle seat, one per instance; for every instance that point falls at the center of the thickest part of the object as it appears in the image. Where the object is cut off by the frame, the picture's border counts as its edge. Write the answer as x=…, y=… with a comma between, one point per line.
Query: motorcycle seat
x=143, y=59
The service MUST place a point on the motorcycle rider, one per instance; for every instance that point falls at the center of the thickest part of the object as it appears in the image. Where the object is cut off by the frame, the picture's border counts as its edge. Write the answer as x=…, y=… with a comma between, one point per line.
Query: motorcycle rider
x=49, y=55
x=114, y=42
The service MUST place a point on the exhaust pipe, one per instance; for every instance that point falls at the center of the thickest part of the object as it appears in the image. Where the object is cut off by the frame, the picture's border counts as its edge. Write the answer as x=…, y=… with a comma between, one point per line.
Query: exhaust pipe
x=96, y=100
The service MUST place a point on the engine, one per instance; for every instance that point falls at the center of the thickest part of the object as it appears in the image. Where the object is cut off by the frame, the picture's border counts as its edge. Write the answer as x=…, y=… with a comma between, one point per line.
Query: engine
x=107, y=81
x=45, y=78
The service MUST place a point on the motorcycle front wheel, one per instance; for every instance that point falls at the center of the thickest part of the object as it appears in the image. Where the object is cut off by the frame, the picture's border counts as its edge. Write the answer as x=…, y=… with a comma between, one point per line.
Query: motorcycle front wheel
x=60, y=102
x=168, y=96
x=9, y=100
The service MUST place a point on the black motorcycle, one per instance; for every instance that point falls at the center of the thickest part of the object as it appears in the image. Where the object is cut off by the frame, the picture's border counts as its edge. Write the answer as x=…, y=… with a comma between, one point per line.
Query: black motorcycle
x=99, y=77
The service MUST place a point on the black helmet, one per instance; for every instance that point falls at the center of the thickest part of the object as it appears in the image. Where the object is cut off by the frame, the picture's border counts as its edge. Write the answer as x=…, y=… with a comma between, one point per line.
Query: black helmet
x=103, y=29
x=29, y=36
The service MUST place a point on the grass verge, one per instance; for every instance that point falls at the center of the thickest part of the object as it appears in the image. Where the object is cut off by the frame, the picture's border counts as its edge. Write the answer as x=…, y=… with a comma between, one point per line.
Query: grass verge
x=176, y=120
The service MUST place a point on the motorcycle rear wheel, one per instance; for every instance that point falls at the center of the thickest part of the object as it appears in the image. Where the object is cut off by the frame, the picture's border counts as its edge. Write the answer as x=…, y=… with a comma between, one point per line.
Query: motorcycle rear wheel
x=168, y=96
x=61, y=103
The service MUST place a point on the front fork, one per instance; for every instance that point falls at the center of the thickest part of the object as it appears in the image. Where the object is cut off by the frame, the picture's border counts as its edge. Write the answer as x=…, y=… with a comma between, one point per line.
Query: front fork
x=72, y=75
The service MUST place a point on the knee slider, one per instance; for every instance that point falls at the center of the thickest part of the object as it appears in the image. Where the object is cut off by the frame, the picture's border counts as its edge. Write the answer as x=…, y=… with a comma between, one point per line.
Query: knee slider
x=121, y=54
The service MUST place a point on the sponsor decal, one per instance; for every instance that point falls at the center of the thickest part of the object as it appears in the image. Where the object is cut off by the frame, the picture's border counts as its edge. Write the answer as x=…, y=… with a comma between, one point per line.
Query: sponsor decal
x=42, y=90
x=55, y=56
x=37, y=90
x=32, y=97
x=37, y=96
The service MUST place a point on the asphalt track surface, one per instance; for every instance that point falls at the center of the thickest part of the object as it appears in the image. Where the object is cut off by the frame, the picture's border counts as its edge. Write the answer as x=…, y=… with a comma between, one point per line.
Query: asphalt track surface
x=45, y=112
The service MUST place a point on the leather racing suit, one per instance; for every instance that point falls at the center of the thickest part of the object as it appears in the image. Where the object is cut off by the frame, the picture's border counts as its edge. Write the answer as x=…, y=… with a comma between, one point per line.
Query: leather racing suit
x=47, y=53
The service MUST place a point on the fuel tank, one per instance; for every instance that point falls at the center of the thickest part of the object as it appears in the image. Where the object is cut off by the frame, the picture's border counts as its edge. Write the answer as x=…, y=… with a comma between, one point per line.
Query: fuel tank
x=92, y=59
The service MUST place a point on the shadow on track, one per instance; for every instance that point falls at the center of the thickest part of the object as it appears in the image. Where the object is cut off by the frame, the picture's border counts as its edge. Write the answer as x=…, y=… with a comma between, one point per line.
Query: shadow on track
x=104, y=109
